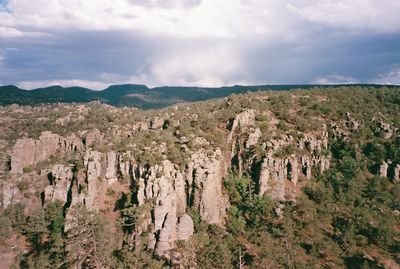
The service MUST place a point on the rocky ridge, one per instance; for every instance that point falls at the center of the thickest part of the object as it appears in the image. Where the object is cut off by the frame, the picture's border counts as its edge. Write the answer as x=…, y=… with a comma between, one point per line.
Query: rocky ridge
x=88, y=162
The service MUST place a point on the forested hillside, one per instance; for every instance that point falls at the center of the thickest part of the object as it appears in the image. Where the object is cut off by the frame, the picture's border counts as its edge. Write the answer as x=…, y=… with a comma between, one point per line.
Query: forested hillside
x=139, y=96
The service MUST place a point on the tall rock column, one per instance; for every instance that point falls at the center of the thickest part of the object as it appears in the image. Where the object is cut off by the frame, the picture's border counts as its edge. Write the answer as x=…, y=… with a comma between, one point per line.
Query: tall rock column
x=61, y=177
x=396, y=176
x=92, y=162
x=206, y=172
x=111, y=169
x=272, y=177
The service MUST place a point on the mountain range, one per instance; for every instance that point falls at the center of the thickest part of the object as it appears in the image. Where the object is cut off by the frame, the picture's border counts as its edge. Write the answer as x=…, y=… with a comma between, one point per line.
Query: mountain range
x=139, y=96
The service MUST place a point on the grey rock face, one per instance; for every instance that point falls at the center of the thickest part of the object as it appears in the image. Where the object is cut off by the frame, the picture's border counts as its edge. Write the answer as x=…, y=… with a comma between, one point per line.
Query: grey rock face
x=165, y=185
x=396, y=174
x=241, y=121
x=9, y=193
x=125, y=164
x=383, y=170
x=61, y=183
x=206, y=172
x=253, y=138
x=272, y=178
x=276, y=172
x=185, y=227
x=351, y=123
x=92, y=163
x=167, y=237
x=168, y=188
x=111, y=168
x=312, y=143
x=92, y=137
x=27, y=151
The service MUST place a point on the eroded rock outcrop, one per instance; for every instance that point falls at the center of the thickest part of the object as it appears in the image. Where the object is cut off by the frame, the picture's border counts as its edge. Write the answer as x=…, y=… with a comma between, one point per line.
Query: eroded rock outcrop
x=278, y=172
x=61, y=179
x=156, y=123
x=396, y=173
x=92, y=137
x=92, y=163
x=272, y=178
x=164, y=184
x=27, y=151
x=383, y=169
x=242, y=121
x=205, y=174
x=111, y=168
x=10, y=192
x=185, y=227
x=253, y=138
x=171, y=190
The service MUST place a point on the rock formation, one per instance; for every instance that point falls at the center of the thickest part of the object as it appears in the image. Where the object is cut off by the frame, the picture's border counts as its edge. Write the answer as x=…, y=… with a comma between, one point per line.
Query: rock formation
x=383, y=170
x=9, y=192
x=172, y=190
x=277, y=171
x=94, y=136
x=272, y=178
x=27, y=151
x=61, y=179
x=241, y=121
x=92, y=163
x=111, y=175
x=156, y=123
x=253, y=138
x=205, y=174
x=396, y=173
x=185, y=228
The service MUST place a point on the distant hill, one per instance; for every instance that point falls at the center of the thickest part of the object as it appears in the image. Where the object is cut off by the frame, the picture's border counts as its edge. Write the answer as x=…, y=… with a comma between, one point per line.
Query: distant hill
x=136, y=95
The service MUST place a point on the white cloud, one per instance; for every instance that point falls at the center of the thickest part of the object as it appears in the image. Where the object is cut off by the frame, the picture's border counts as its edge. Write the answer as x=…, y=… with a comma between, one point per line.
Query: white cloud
x=198, y=18
x=210, y=66
x=7, y=32
x=335, y=79
x=380, y=16
x=94, y=85
x=187, y=19
x=390, y=78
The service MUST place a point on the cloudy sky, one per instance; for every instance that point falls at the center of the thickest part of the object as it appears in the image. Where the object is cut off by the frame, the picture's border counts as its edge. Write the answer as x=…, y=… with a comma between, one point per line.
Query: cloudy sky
x=94, y=43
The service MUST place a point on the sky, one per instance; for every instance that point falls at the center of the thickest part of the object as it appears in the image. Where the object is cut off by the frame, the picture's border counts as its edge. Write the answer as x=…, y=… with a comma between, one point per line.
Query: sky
x=95, y=43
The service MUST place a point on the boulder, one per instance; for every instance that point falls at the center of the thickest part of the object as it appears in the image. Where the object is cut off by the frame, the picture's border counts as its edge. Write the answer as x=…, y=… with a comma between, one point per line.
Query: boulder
x=185, y=227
